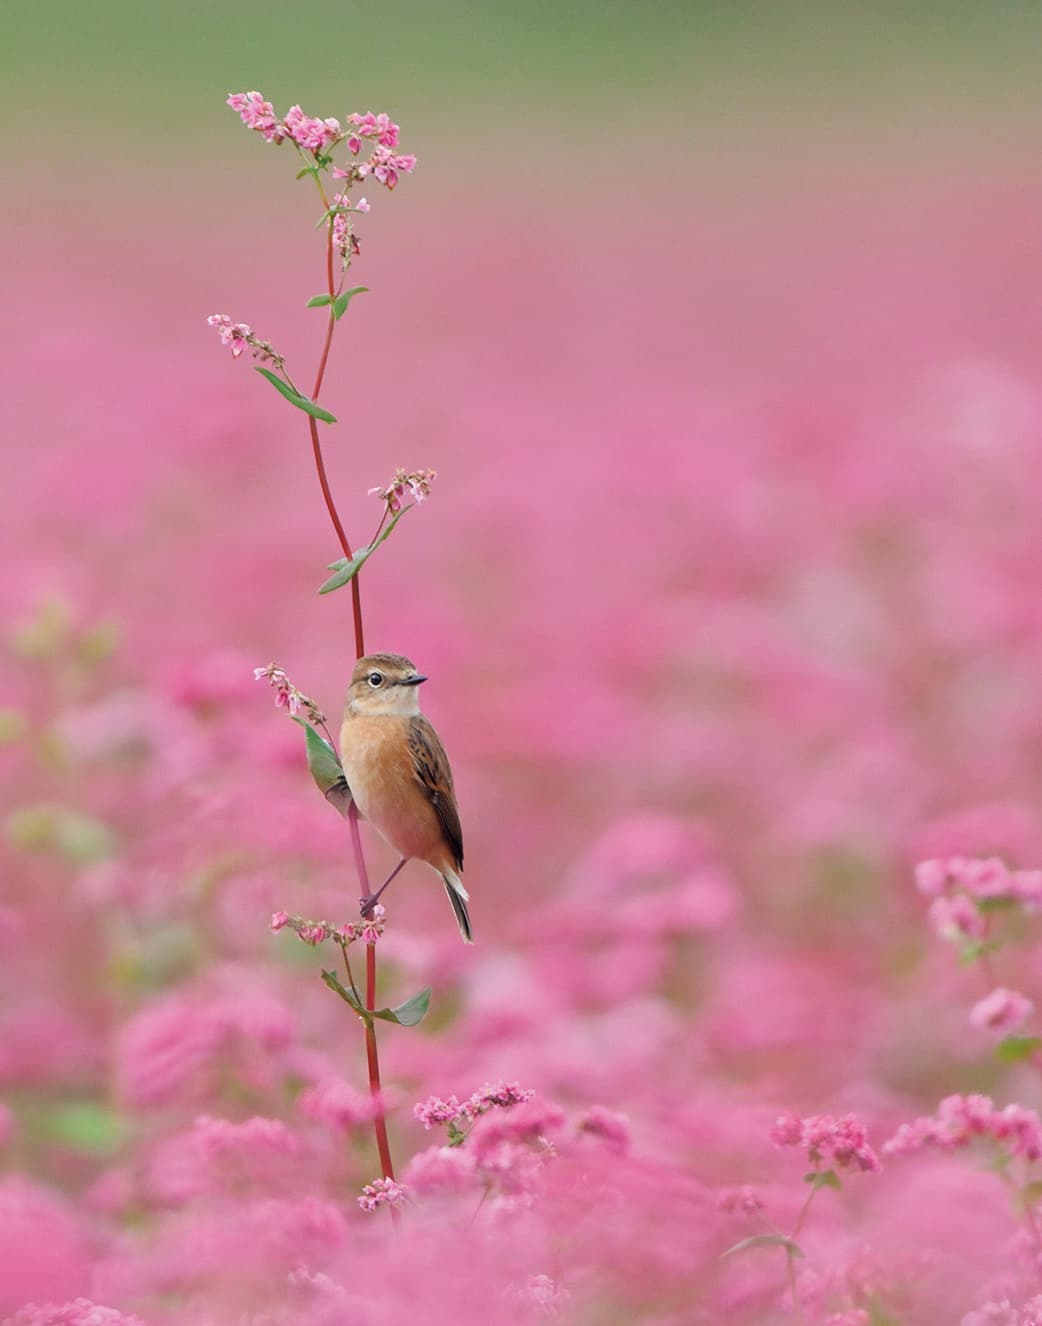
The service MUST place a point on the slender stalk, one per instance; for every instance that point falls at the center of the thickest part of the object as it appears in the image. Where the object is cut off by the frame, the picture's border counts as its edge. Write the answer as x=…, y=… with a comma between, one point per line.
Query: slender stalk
x=372, y=1055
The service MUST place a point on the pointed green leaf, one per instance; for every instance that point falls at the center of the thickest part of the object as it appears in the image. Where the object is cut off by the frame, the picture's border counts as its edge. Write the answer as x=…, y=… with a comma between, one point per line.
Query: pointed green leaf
x=1011, y=1049
x=347, y=570
x=822, y=1178
x=341, y=302
x=319, y=301
x=323, y=761
x=295, y=398
x=345, y=994
x=409, y=1014
x=766, y=1241
x=405, y=1015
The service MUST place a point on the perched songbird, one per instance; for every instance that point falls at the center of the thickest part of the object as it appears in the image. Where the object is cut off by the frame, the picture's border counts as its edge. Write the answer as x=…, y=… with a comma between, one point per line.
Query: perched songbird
x=399, y=774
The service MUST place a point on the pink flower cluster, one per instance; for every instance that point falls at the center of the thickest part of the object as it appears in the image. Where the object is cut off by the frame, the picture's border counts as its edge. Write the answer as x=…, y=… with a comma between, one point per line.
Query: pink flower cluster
x=417, y=484
x=381, y=127
x=1001, y=1312
x=980, y=878
x=435, y=1110
x=842, y=1142
x=961, y=1120
x=239, y=337
x=287, y=696
x=744, y=1199
x=367, y=931
x=316, y=135
x=1002, y=1011
x=382, y=1192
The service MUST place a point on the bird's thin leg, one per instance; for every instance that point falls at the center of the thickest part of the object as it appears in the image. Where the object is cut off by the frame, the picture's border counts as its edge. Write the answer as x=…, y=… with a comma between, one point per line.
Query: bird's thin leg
x=369, y=903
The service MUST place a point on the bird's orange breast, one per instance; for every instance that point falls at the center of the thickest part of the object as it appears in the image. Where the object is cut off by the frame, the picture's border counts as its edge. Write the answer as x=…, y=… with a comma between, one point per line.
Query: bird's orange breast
x=379, y=770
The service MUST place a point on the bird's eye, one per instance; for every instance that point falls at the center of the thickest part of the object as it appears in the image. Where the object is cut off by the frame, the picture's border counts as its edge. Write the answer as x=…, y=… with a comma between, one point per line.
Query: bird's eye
x=375, y=679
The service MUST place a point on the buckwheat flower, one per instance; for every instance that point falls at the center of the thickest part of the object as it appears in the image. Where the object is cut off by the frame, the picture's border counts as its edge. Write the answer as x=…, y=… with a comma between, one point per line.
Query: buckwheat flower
x=611, y=1128
x=363, y=206
x=931, y=878
x=374, y=924
x=235, y=335
x=336, y=1103
x=745, y=1200
x=257, y=114
x=956, y=919
x=502, y=1096
x=842, y=1142
x=418, y=483
x=310, y=133
x=1001, y=1011
x=983, y=879
x=279, y=921
x=386, y=166
x=375, y=126
x=435, y=1110
x=382, y=1192
x=786, y=1130
x=313, y=934
x=441, y=1171
x=77, y=1312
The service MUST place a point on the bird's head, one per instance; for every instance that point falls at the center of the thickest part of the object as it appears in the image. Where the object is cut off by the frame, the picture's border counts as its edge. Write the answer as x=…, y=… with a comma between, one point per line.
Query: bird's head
x=384, y=684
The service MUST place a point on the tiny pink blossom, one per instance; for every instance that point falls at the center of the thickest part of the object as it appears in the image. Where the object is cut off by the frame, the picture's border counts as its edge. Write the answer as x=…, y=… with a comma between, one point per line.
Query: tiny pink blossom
x=386, y=166
x=1001, y=1011
x=338, y=1105
x=382, y=1192
x=956, y=918
x=257, y=114
x=931, y=878
x=611, y=1128
x=77, y=1312
x=744, y=1199
x=235, y=335
x=842, y=1142
x=279, y=920
x=310, y=133
x=435, y=1110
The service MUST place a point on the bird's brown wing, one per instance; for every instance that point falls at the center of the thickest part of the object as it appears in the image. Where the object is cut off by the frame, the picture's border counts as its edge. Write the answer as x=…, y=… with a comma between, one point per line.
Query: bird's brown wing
x=431, y=766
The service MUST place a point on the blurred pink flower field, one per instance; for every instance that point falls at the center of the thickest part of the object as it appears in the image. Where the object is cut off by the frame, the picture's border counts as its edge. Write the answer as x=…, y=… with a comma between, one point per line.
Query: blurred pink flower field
x=728, y=592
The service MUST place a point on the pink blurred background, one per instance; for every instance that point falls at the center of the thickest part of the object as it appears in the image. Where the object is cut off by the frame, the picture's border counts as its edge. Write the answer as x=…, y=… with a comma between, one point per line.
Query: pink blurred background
x=722, y=333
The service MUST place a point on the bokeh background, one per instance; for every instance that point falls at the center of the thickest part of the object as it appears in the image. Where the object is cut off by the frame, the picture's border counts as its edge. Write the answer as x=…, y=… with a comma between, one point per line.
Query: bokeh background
x=721, y=327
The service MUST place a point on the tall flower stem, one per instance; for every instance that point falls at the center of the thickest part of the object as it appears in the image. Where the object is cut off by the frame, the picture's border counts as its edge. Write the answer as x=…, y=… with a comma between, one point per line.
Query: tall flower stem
x=371, y=1053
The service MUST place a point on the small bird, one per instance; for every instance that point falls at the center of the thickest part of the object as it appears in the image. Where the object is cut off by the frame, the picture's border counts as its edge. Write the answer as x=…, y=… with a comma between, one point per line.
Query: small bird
x=399, y=775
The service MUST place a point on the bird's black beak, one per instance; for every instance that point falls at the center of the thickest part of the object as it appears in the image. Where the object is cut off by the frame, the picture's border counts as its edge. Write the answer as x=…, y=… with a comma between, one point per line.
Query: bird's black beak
x=412, y=681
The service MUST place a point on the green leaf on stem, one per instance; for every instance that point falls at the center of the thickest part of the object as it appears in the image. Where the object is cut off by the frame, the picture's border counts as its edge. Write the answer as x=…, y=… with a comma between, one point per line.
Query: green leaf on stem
x=308, y=170
x=295, y=398
x=1011, y=1049
x=971, y=952
x=766, y=1241
x=342, y=300
x=323, y=760
x=347, y=570
x=319, y=301
x=822, y=1178
x=348, y=996
x=408, y=1014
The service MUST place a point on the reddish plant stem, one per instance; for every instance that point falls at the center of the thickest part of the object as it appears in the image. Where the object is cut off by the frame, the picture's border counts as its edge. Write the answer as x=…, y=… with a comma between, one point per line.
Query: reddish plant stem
x=371, y=1053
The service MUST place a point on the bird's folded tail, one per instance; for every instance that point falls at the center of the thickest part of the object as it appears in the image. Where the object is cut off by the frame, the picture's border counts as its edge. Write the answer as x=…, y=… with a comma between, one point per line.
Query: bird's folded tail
x=459, y=897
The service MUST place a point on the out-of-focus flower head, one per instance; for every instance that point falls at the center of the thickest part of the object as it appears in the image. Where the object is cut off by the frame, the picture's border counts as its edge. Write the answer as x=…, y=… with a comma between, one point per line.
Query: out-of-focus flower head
x=961, y=1119
x=1001, y=1011
x=842, y=1142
